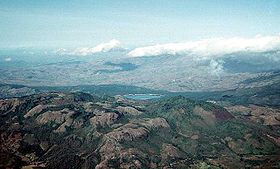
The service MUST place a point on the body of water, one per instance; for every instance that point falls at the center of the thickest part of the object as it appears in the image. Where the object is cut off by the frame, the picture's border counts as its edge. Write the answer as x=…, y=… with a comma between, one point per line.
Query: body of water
x=143, y=96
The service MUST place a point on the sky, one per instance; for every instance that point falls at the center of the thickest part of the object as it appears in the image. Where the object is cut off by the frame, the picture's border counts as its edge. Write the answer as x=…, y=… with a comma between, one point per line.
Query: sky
x=87, y=23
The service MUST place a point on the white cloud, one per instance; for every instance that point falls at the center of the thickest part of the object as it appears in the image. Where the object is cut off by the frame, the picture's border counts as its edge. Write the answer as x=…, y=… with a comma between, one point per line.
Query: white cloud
x=61, y=51
x=103, y=47
x=210, y=47
x=8, y=59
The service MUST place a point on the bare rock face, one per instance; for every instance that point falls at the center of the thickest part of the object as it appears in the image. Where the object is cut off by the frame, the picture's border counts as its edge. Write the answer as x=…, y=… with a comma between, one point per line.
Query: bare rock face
x=266, y=115
x=130, y=158
x=55, y=116
x=108, y=151
x=128, y=132
x=208, y=117
x=169, y=152
x=62, y=117
x=104, y=119
x=151, y=123
x=156, y=123
x=93, y=108
x=137, y=129
x=114, y=155
x=195, y=137
x=35, y=110
x=112, y=150
x=129, y=110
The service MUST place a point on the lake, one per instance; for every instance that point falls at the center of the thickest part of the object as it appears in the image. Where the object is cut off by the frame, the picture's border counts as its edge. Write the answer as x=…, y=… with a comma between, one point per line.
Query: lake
x=143, y=96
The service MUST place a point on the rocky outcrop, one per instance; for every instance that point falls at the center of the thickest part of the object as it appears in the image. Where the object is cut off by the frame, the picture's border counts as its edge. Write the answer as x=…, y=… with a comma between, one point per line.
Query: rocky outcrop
x=112, y=150
x=137, y=129
x=128, y=132
x=62, y=117
x=208, y=117
x=129, y=110
x=104, y=119
x=115, y=155
x=155, y=123
x=170, y=152
x=35, y=110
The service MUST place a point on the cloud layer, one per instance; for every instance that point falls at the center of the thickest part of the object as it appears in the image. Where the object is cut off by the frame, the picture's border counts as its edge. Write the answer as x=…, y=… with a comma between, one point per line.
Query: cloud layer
x=215, y=46
x=103, y=47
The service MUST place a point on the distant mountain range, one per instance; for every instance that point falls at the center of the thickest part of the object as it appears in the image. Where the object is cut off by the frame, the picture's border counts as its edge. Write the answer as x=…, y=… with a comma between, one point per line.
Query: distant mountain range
x=264, y=90
x=171, y=72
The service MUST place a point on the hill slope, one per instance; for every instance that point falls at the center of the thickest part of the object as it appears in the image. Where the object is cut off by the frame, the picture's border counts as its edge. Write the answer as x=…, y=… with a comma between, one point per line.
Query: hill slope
x=78, y=130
